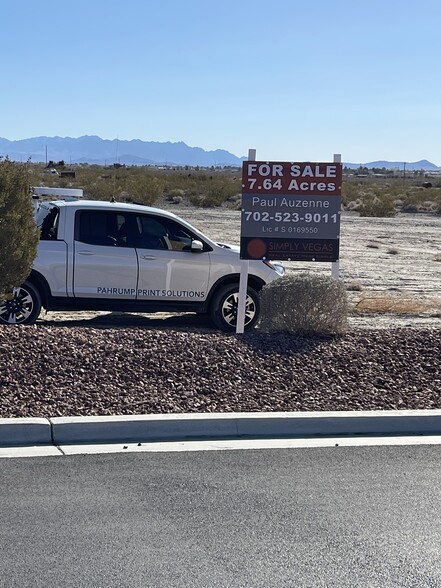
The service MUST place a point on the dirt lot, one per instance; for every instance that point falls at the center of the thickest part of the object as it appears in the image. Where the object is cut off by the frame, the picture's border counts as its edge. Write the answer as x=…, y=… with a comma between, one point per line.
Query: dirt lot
x=391, y=267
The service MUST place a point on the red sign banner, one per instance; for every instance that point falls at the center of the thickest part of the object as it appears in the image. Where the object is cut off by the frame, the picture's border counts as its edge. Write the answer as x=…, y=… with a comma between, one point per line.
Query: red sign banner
x=263, y=177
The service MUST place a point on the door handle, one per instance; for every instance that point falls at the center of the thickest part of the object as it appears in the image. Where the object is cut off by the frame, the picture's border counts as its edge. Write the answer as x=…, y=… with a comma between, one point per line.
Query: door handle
x=85, y=252
x=148, y=257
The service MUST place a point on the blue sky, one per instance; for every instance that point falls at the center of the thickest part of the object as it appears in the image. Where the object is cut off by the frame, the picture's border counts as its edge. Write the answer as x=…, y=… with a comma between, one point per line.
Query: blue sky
x=295, y=80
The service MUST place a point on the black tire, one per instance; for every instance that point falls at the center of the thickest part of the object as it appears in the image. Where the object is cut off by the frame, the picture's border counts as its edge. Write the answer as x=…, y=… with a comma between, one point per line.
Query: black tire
x=223, y=309
x=23, y=308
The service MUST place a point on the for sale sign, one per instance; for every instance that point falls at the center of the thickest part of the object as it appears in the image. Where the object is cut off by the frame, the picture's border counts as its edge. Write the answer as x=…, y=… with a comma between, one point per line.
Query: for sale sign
x=291, y=211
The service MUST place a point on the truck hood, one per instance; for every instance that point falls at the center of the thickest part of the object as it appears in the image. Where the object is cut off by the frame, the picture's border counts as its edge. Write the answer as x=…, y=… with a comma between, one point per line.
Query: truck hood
x=234, y=248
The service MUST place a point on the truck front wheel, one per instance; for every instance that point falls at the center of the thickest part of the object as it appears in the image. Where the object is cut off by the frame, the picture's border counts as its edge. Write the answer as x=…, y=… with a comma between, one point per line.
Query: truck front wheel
x=225, y=305
x=22, y=307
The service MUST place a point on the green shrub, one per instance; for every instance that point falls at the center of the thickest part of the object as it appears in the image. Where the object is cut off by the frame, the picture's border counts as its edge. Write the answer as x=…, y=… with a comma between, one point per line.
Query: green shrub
x=306, y=304
x=349, y=192
x=143, y=189
x=18, y=231
x=175, y=195
x=145, y=184
x=377, y=207
x=98, y=190
x=422, y=200
x=214, y=191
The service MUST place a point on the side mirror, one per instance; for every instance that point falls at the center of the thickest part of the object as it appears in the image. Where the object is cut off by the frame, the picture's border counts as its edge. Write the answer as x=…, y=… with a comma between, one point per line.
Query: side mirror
x=197, y=246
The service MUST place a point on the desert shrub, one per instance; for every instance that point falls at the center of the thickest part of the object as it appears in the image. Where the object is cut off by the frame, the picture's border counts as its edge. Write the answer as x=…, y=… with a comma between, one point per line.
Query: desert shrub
x=18, y=231
x=143, y=189
x=395, y=303
x=354, y=287
x=306, y=304
x=349, y=192
x=215, y=191
x=354, y=205
x=208, y=200
x=99, y=190
x=381, y=196
x=378, y=207
x=418, y=199
x=175, y=195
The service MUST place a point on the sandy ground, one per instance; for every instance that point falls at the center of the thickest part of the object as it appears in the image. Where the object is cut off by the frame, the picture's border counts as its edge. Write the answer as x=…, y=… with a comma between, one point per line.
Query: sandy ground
x=391, y=267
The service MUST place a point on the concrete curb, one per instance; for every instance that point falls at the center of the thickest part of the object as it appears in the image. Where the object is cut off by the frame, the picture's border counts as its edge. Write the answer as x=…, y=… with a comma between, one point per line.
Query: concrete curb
x=23, y=431
x=175, y=427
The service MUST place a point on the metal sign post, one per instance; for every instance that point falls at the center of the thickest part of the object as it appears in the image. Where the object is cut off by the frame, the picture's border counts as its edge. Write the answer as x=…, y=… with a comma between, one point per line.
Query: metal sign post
x=243, y=282
x=335, y=266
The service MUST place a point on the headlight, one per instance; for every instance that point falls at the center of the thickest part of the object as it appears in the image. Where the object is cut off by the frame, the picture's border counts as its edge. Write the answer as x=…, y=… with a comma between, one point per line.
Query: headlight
x=276, y=266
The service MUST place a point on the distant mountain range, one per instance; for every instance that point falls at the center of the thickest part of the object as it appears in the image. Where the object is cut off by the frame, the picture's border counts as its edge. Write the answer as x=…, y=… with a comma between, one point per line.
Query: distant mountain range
x=94, y=150
x=411, y=166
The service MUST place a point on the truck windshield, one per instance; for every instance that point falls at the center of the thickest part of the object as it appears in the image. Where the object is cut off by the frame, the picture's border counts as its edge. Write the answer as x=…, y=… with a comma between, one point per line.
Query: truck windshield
x=47, y=221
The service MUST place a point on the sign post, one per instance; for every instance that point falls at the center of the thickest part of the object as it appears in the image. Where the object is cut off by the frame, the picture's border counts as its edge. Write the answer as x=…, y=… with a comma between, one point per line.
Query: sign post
x=243, y=281
x=335, y=267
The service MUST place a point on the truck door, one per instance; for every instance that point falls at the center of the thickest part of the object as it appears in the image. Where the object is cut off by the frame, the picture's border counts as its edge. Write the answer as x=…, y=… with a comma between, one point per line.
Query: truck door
x=168, y=268
x=105, y=260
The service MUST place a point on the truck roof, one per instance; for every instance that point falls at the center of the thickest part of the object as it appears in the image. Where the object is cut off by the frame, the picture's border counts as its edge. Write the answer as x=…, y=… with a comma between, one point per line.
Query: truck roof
x=125, y=207
x=107, y=205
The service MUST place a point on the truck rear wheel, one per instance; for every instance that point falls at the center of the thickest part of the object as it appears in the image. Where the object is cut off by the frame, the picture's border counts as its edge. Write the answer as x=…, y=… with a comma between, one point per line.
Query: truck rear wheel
x=225, y=305
x=22, y=307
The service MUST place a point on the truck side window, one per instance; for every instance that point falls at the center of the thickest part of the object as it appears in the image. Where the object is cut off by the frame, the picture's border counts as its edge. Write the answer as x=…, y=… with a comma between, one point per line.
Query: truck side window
x=49, y=223
x=162, y=233
x=151, y=233
x=179, y=237
x=97, y=227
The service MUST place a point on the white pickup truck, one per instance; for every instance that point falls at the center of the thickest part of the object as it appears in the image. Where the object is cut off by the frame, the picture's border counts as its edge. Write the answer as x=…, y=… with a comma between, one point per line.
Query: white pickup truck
x=115, y=256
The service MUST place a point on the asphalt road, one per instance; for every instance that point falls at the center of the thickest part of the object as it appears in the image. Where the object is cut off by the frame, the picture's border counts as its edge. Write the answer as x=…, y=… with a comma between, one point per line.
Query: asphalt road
x=339, y=517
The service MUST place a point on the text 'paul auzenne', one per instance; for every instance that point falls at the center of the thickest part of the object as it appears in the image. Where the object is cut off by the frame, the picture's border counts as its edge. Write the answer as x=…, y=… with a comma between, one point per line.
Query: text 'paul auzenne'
x=290, y=202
